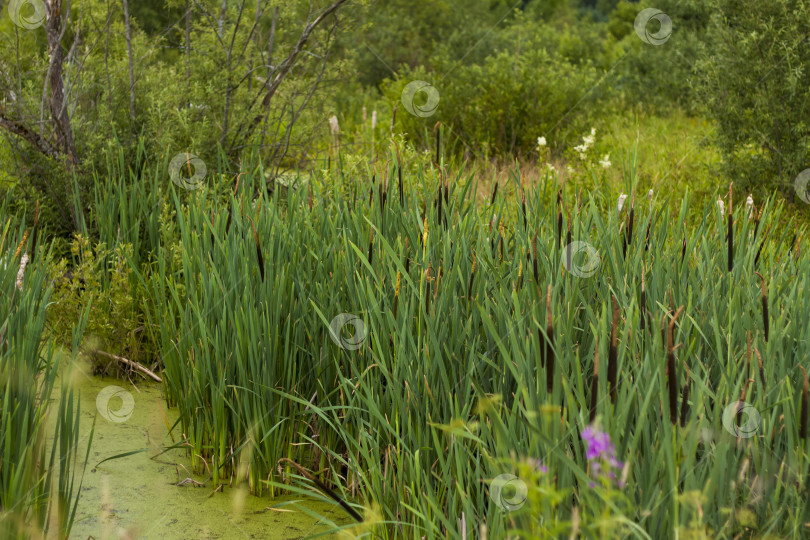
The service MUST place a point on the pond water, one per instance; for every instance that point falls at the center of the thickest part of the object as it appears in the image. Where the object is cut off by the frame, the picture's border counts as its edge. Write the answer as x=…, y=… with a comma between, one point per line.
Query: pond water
x=135, y=496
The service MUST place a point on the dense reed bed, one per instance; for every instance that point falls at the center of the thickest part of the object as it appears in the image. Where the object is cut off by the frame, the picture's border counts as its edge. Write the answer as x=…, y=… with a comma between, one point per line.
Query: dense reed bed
x=405, y=347
x=38, y=487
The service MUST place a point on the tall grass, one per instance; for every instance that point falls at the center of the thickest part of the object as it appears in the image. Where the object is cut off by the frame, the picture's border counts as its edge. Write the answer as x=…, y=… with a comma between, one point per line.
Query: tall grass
x=38, y=493
x=467, y=366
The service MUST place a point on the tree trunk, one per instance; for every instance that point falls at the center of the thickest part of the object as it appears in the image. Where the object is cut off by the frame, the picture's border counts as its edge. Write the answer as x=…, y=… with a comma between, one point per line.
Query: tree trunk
x=59, y=113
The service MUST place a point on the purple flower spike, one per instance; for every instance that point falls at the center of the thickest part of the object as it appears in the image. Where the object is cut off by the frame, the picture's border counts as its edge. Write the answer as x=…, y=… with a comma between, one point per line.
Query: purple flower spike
x=600, y=452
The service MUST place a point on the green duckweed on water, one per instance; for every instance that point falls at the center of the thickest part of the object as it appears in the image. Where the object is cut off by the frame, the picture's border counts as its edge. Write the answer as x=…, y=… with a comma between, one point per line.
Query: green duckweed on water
x=135, y=496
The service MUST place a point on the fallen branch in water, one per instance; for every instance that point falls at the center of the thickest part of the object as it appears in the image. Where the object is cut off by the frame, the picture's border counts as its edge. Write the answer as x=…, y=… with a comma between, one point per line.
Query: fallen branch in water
x=190, y=481
x=130, y=363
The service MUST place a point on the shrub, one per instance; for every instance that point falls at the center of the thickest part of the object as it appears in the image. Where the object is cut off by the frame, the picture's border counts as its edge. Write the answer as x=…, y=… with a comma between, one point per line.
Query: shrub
x=757, y=88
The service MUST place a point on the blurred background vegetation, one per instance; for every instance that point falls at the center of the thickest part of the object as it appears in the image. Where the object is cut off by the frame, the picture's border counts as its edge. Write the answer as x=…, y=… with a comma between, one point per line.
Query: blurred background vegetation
x=725, y=98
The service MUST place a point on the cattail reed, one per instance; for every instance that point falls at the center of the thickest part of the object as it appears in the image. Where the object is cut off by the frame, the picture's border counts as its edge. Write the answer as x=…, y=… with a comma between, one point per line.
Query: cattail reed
x=439, y=204
x=730, y=234
x=494, y=193
x=258, y=250
x=643, y=302
x=798, y=247
x=672, y=374
x=371, y=246
x=523, y=210
x=559, y=217
x=407, y=259
x=764, y=299
x=549, y=354
x=534, y=258
x=399, y=173
x=628, y=237
x=743, y=395
x=520, y=276
x=396, y=294
x=803, y=414
x=595, y=380
x=761, y=245
x=393, y=118
x=647, y=238
x=613, y=355
x=568, y=248
x=382, y=188
x=424, y=232
x=21, y=244
x=685, y=399
x=761, y=368
x=213, y=227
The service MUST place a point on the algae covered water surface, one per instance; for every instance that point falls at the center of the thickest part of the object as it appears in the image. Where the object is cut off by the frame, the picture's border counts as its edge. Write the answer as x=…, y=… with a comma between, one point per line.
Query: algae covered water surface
x=137, y=496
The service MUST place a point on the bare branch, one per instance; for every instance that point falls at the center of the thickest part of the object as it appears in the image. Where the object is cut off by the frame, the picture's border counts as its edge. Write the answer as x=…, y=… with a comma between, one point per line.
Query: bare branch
x=285, y=67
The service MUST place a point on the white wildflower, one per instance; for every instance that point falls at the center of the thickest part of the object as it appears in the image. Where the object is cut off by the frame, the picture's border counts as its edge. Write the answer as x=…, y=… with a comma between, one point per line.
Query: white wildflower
x=605, y=163
x=620, y=204
x=541, y=141
x=749, y=204
x=650, y=197
x=21, y=271
x=333, y=124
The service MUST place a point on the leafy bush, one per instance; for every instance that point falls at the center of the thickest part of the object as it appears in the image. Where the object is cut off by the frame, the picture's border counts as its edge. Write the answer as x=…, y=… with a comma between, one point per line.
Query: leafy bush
x=757, y=88
x=533, y=84
x=99, y=281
